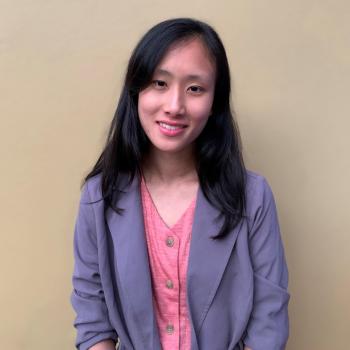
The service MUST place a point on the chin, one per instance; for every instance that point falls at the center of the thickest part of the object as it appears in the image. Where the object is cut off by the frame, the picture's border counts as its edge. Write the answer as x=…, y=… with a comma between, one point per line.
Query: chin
x=171, y=149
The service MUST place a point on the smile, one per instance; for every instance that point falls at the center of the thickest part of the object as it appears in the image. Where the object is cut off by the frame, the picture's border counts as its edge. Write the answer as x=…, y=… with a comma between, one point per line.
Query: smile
x=171, y=130
x=171, y=127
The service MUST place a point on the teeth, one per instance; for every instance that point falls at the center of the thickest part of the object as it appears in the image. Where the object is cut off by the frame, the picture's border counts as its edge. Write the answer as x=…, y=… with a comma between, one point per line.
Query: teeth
x=169, y=127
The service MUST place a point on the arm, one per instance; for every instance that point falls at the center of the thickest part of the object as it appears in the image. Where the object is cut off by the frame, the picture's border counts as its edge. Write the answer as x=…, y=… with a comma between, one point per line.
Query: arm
x=104, y=345
x=268, y=327
x=92, y=321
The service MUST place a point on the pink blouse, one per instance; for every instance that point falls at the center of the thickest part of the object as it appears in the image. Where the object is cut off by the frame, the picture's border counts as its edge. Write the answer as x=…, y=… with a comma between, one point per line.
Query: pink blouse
x=168, y=250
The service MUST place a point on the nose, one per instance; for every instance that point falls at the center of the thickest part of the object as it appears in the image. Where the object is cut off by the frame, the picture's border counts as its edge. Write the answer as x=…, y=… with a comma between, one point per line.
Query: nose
x=174, y=102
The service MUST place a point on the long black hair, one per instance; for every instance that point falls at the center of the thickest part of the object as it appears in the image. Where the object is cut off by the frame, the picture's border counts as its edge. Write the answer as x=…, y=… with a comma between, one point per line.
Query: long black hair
x=219, y=161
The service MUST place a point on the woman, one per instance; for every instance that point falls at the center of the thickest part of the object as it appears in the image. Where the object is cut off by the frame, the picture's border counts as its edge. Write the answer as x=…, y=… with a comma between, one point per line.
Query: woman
x=177, y=245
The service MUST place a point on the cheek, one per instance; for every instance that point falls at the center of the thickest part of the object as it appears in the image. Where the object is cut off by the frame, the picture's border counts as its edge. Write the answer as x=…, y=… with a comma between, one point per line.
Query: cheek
x=200, y=110
x=147, y=105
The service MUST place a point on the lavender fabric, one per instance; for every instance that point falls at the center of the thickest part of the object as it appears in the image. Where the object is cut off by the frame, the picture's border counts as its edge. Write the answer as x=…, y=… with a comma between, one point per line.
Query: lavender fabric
x=236, y=287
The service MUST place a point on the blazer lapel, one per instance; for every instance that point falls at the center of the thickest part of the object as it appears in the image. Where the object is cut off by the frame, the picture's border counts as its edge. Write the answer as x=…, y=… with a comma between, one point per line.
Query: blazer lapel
x=207, y=261
x=128, y=234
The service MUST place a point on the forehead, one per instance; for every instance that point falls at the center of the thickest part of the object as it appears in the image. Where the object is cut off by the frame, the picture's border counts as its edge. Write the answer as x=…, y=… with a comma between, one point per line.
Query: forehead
x=190, y=57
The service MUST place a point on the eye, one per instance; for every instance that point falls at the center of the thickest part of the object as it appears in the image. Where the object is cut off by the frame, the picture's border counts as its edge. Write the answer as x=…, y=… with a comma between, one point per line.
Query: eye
x=196, y=89
x=159, y=84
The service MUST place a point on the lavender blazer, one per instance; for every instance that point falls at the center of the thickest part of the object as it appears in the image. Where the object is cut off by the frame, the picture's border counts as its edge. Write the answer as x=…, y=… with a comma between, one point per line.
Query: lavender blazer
x=236, y=287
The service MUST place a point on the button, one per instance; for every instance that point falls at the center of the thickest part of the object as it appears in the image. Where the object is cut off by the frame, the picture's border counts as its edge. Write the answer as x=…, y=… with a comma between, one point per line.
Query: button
x=170, y=328
x=170, y=241
x=169, y=284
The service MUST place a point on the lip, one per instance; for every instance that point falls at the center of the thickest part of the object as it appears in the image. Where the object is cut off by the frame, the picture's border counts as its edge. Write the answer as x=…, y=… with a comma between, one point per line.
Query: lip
x=168, y=132
x=171, y=123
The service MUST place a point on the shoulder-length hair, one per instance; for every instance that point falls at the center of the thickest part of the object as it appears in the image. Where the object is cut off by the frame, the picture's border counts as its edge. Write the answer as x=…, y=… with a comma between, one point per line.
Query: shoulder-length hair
x=219, y=162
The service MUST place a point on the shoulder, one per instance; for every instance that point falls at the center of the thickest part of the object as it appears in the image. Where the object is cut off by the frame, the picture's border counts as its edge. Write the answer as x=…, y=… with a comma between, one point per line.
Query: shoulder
x=92, y=188
x=258, y=193
x=256, y=184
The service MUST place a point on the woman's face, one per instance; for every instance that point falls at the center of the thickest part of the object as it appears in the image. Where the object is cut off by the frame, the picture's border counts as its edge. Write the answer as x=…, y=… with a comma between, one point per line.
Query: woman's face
x=175, y=107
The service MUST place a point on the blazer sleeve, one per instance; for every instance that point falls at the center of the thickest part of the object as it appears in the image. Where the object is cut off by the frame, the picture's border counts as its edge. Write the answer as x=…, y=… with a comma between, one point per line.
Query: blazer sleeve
x=87, y=298
x=268, y=327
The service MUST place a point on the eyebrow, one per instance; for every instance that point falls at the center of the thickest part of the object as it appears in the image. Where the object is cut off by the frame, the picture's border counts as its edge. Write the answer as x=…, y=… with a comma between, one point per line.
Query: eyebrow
x=188, y=77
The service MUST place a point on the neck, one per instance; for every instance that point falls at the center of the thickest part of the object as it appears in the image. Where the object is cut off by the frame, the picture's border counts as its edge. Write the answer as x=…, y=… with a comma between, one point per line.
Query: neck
x=169, y=168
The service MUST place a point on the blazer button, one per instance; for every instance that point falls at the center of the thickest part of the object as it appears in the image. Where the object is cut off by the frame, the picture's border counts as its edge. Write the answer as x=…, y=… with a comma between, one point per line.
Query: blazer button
x=170, y=328
x=170, y=241
x=169, y=284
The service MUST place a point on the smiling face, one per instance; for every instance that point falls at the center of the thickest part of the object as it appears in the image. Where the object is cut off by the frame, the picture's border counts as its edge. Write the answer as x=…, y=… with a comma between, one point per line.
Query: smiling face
x=175, y=107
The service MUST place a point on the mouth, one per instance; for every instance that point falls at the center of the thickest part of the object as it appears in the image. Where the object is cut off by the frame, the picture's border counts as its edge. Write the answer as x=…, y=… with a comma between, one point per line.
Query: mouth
x=172, y=126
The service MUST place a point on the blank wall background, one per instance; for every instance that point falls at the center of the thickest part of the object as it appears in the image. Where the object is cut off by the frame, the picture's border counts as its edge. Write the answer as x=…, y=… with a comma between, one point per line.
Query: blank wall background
x=61, y=68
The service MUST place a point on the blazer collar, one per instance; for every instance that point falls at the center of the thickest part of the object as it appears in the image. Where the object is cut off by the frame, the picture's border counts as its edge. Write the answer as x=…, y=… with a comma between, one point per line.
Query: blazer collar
x=207, y=261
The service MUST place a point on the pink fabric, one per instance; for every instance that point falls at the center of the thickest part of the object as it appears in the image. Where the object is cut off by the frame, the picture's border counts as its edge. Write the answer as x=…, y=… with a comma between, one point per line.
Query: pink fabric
x=169, y=263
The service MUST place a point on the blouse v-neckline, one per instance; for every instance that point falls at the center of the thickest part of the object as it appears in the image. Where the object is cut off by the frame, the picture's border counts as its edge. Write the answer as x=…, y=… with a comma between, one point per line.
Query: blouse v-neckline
x=179, y=221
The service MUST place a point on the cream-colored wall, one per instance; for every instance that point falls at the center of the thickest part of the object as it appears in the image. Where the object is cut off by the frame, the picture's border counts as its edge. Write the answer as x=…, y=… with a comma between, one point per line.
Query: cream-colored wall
x=61, y=66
